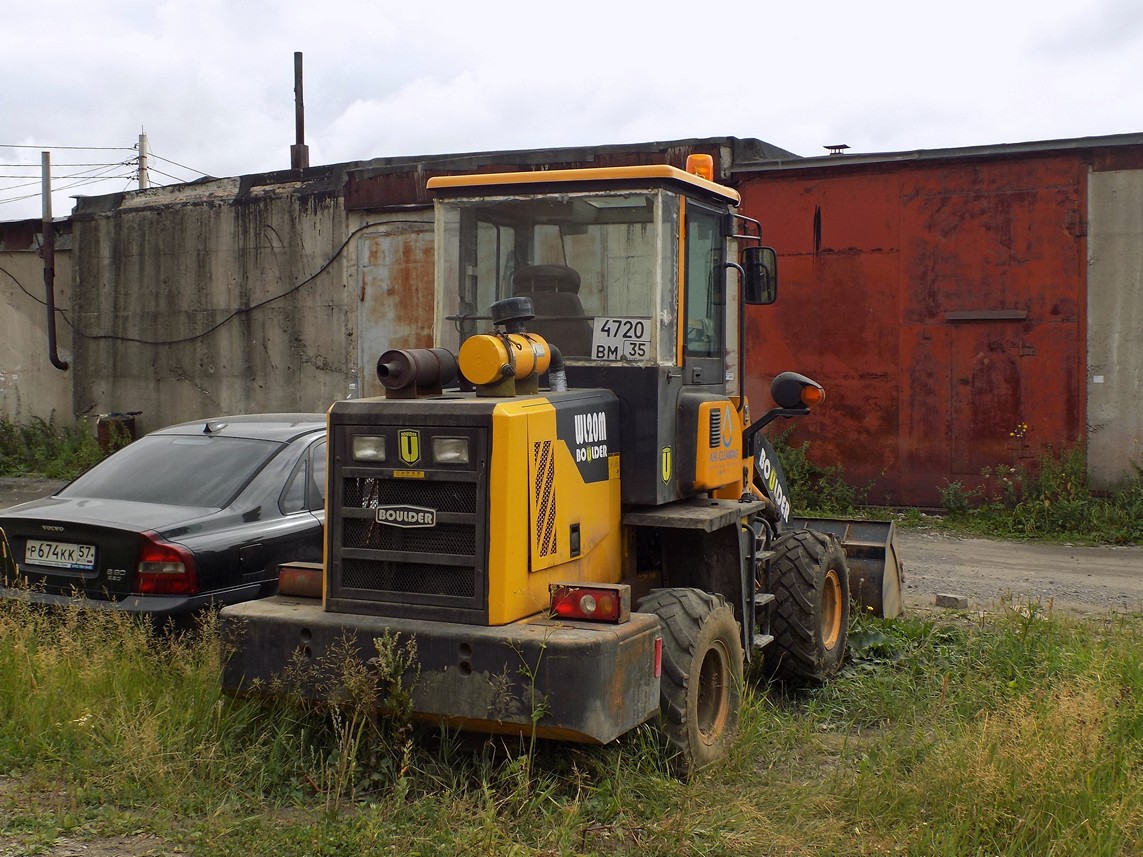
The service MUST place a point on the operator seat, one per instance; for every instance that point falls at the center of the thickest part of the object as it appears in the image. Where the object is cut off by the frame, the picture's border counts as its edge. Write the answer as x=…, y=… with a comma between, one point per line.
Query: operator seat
x=560, y=319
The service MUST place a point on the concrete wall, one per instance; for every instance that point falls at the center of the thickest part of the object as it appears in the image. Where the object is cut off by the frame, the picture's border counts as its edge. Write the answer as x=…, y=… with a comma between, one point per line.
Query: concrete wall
x=30, y=386
x=276, y=291
x=1115, y=326
x=223, y=297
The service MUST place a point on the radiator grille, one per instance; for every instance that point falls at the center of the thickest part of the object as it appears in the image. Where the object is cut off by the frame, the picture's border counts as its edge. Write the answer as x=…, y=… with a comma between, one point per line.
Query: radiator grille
x=410, y=570
x=410, y=578
x=367, y=492
x=443, y=538
x=715, y=428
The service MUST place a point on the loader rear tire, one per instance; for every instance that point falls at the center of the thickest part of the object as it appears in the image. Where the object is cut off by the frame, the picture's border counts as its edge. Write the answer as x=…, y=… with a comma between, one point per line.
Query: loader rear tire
x=810, y=622
x=700, y=690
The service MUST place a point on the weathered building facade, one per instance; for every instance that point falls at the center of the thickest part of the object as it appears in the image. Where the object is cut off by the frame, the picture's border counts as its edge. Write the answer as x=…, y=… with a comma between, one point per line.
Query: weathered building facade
x=277, y=291
x=964, y=308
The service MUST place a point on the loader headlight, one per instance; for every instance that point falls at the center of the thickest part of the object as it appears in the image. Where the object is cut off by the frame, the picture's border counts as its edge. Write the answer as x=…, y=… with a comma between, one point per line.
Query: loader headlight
x=450, y=450
x=368, y=448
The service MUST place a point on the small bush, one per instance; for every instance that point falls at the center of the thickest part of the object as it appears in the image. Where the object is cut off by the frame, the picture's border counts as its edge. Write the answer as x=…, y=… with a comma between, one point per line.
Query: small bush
x=815, y=489
x=958, y=500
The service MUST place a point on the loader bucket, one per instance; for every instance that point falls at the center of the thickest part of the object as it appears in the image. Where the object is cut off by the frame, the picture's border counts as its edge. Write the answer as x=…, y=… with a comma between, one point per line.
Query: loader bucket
x=876, y=573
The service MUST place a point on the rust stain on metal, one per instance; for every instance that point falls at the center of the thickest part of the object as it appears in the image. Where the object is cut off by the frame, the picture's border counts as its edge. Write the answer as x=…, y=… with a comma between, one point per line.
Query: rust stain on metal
x=397, y=304
x=941, y=305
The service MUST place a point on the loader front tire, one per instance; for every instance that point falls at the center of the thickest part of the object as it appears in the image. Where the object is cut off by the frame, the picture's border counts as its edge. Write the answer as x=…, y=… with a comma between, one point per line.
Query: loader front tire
x=700, y=690
x=810, y=622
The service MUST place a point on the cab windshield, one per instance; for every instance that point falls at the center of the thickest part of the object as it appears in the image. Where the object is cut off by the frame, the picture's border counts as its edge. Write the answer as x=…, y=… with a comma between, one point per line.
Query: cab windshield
x=590, y=263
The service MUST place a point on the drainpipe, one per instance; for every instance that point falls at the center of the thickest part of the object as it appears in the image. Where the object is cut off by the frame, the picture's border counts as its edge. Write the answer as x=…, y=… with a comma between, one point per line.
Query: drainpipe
x=48, y=246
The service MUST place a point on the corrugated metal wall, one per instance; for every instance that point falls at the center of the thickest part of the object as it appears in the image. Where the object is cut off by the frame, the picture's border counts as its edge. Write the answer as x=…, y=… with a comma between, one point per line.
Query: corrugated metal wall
x=942, y=306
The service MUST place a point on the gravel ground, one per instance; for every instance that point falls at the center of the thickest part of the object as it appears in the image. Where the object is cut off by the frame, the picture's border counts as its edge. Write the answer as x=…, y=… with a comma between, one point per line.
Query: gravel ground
x=1075, y=578
x=13, y=491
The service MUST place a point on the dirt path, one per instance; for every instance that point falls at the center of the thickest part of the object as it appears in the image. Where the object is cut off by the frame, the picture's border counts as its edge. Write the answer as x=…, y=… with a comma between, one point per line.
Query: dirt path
x=1070, y=577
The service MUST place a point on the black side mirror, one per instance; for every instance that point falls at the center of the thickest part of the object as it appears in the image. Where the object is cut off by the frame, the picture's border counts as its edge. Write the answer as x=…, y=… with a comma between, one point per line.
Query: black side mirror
x=791, y=390
x=761, y=267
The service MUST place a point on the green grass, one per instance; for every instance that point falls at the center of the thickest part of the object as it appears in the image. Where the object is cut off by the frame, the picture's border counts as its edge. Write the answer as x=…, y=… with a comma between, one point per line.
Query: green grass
x=1019, y=733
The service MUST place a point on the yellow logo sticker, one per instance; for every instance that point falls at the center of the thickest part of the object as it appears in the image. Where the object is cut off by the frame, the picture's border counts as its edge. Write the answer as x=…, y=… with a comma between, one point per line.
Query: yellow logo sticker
x=666, y=464
x=409, y=446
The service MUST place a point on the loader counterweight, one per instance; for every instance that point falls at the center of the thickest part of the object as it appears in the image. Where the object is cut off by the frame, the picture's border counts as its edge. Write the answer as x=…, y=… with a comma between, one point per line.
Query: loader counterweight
x=573, y=681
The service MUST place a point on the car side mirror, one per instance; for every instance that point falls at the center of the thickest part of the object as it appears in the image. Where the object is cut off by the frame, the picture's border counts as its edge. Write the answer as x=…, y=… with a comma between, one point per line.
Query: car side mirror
x=761, y=267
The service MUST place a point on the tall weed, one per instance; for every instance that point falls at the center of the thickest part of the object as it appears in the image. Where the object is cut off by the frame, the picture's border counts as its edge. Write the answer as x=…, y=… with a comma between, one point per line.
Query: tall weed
x=52, y=450
x=1051, y=501
x=815, y=489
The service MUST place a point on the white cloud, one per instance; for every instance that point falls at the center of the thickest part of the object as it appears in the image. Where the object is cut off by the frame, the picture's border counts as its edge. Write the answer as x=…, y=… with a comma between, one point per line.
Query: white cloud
x=212, y=82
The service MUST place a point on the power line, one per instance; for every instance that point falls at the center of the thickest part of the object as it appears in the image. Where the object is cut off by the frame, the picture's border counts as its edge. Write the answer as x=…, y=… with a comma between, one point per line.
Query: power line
x=83, y=182
x=54, y=164
x=71, y=175
x=168, y=175
x=19, y=198
x=177, y=164
x=94, y=172
x=76, y=148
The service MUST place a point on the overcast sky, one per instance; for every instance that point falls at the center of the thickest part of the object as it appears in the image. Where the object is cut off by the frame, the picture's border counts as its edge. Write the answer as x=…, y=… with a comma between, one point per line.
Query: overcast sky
x=211, y=81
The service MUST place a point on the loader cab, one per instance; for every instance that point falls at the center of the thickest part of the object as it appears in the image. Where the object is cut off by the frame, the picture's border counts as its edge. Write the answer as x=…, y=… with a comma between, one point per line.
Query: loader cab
x=627, y=272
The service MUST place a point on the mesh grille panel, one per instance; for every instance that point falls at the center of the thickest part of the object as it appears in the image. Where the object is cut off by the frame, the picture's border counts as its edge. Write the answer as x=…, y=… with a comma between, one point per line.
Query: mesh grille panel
x=443, y=538
x=364, y=492
x=451, y=580
x=411, y=570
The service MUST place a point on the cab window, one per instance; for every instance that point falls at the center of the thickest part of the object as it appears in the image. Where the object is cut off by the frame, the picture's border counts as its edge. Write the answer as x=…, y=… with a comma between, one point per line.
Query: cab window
x=704, y=291
x=590, y=264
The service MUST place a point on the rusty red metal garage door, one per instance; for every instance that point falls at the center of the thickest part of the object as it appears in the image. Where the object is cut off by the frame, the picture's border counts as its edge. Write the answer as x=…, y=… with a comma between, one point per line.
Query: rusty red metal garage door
x=941, y=304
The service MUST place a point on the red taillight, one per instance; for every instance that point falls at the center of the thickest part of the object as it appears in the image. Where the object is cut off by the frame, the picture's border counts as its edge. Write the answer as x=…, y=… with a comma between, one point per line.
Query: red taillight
x=164, y=568
x=594, y=603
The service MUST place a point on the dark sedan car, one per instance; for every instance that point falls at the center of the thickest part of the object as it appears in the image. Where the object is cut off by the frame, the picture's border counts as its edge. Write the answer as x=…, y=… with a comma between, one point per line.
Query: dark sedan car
x=194, y=514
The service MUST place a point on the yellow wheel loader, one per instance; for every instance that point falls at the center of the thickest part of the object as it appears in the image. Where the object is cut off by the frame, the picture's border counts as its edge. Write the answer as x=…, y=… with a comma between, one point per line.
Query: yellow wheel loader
x=566, y=504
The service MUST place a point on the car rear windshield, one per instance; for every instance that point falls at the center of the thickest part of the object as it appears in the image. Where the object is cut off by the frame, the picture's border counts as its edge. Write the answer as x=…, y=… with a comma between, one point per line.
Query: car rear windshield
x=179, y=470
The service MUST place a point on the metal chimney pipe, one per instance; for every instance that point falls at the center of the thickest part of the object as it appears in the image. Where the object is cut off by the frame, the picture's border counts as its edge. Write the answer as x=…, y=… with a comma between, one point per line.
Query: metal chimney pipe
x=299, y=152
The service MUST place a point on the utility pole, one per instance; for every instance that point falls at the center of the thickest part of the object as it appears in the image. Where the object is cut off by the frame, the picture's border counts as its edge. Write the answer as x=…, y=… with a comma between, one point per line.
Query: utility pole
x=48, y=246
x=144, y=177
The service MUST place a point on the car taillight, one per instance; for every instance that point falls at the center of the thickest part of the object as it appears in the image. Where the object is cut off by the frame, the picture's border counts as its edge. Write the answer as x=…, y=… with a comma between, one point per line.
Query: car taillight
x=593, y=602
x=164, y=568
